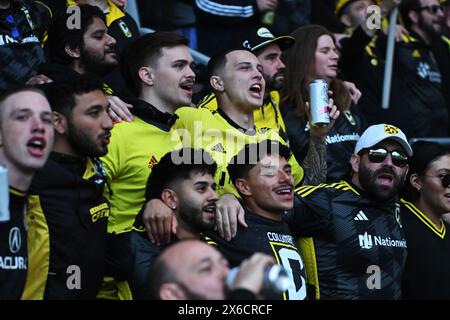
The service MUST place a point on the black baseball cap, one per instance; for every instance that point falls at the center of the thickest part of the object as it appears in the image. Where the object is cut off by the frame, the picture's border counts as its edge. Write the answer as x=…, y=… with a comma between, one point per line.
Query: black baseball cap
x=262, y=37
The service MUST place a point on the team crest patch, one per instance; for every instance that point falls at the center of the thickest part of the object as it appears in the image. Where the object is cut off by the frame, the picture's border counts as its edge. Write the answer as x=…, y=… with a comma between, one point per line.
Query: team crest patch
x=389, y=129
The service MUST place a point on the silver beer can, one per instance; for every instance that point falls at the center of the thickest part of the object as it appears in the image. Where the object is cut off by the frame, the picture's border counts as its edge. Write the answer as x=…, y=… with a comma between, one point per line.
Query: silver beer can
x=318, y=102
x=4, y=194
x=276, y=279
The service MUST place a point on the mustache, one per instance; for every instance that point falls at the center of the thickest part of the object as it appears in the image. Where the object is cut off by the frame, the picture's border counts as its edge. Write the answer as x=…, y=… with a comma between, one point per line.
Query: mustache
x=105, y=134
x=188, y=82
x=278, y=74
x=111, y=49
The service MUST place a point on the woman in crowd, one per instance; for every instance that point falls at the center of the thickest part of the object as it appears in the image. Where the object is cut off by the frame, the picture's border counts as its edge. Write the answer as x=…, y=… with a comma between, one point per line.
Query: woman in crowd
x=314, y=56
x=426, y=198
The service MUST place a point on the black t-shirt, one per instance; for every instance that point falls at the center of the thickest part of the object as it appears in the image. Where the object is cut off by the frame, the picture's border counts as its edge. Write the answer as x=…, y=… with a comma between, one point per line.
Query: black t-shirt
x=358, y=248
x=270, y=237
x=426, y=274
x=13, y=249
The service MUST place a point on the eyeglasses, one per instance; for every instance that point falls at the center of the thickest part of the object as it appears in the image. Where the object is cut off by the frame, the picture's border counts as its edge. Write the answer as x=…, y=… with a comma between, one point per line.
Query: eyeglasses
x=445, y=179
x=434, y=8
x=380, y=154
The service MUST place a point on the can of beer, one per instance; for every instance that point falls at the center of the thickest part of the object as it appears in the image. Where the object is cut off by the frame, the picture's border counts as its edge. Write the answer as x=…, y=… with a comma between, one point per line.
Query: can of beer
x=4, y=194
x=276, y=279
x=318, y=102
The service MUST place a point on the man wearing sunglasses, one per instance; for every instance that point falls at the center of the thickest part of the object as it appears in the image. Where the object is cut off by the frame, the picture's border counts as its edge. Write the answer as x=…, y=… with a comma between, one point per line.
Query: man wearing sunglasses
x=351, y=234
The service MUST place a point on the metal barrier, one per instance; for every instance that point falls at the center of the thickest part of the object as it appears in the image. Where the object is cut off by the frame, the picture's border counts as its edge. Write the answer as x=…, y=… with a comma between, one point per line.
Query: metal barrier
x=132, y=9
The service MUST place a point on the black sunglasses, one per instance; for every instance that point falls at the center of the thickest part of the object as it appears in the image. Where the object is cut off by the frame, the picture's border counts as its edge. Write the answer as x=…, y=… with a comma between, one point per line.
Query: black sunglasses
x=399, y=159
x=434, y=8
x=445, y=179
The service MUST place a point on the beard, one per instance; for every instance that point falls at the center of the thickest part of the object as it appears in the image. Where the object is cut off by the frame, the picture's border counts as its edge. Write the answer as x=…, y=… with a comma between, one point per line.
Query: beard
x=95, y=63
x=193, y=217
x=432, y=29
x=83, y=144
x=367, y=179
x=273, y=83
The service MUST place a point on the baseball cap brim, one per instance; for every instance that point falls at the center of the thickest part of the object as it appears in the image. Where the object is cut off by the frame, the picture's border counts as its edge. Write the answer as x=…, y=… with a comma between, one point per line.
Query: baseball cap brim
x=402, y=142
x=284, y=42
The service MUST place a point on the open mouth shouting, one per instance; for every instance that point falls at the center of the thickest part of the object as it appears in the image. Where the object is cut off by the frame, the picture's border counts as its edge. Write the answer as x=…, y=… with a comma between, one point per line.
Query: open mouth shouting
x=210, y=211
x=36, y=146
x=187, y=86
x=105, y=138
x=256, y=90
x=285, y=192
x=385, y=179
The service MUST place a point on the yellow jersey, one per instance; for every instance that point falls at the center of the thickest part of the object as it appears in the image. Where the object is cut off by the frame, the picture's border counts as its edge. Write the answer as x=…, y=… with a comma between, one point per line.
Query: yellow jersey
x=217, y=134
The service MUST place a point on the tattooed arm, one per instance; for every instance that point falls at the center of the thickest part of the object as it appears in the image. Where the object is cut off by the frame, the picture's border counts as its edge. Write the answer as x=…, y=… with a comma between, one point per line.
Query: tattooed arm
x=315, y=162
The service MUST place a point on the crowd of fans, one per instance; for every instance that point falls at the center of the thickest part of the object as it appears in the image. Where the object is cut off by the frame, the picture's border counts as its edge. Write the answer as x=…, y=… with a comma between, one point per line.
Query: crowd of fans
x=135, y=173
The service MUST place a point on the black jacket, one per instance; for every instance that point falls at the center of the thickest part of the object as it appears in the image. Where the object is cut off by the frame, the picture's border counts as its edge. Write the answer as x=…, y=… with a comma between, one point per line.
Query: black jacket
x=353, y=245
x=69, y=213
x=22, y=27
x=417, y=103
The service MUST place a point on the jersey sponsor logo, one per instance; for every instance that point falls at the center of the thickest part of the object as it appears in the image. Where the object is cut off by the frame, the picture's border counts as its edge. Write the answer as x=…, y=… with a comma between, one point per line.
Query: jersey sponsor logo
x=152, y=162
x=424, y=71
x=361, y=216
x=367, y=241
x=342, y=138
x=13, y=263
x=15, y=240
x=6, y=39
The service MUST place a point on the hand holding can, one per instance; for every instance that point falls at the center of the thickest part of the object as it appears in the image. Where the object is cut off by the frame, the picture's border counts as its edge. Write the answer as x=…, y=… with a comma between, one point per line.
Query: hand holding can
x=318, y=95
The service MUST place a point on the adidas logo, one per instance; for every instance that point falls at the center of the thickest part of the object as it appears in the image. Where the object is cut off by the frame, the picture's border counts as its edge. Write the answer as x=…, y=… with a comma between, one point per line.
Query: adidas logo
x=219, y=148
x=152, y=162
x=361, y=216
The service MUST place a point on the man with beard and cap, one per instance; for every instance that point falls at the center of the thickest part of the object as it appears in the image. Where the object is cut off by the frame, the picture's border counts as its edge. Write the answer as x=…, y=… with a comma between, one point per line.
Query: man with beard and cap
x=67, y=212
x=352, y=237
x=26, y=138
x=188, y=188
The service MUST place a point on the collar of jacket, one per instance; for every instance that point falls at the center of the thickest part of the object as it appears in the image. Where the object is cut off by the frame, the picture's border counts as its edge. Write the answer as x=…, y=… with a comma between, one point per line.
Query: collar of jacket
x=112, y=13
x=150, y=113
